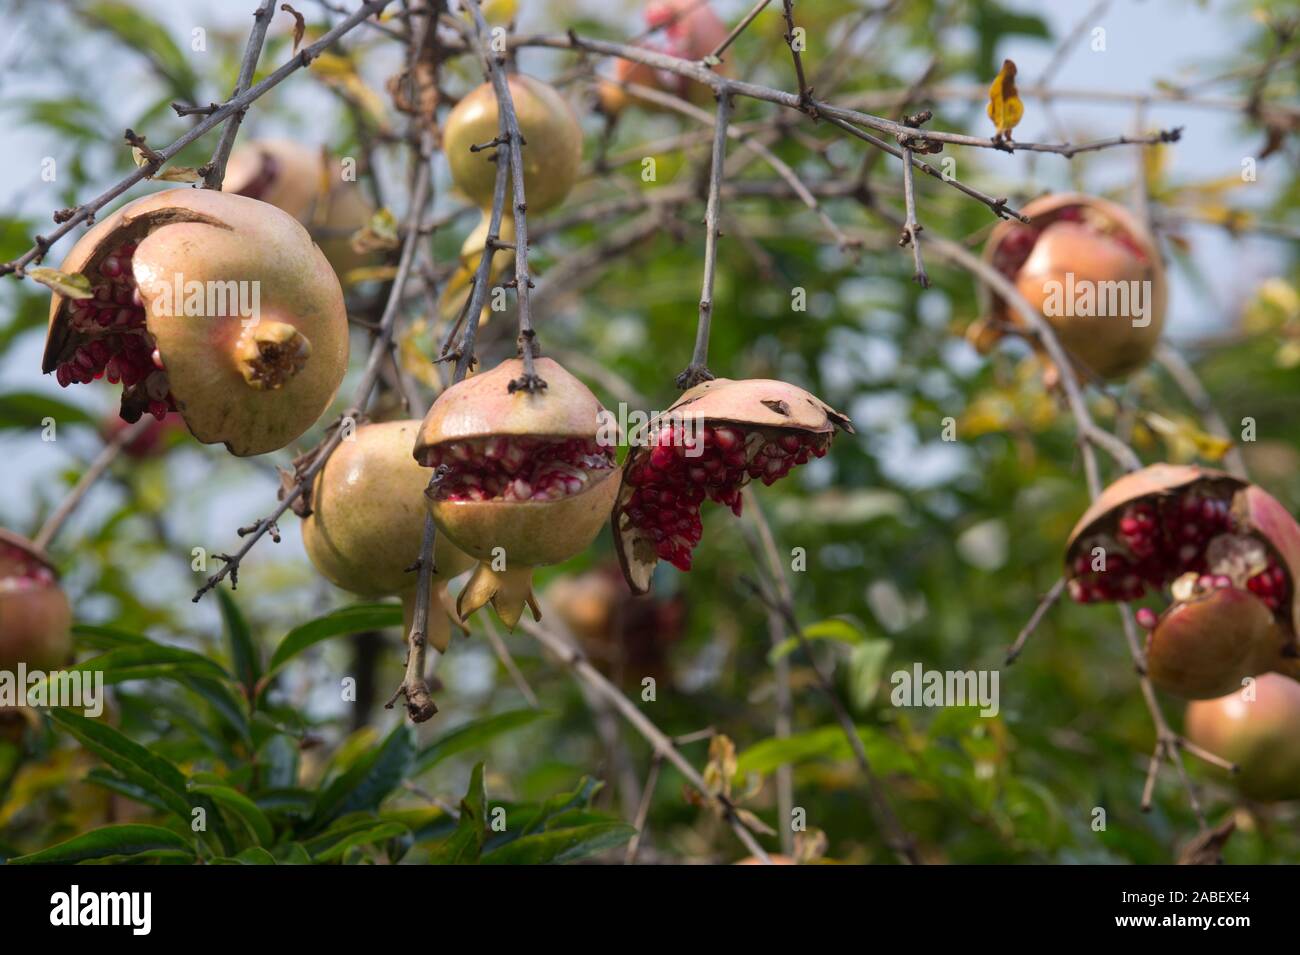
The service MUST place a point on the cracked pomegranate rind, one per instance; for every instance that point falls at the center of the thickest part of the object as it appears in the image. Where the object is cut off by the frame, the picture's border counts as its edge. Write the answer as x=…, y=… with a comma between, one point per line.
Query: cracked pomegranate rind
x=1219, y=557
x=367, y=522
x=716, y=438
x=35, y=617
x=214, y=305
x=522, y=479
x=1079, y=246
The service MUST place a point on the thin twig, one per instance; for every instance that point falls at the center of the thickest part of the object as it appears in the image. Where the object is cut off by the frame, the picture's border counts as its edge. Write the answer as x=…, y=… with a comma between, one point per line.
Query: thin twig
x=216, y=167
x=698, y=370
x=737, y=30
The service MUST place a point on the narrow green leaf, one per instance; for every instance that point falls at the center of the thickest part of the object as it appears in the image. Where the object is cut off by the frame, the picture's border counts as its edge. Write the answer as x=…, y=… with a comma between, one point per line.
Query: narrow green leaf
x=346, y=620
x=557, y=846
x=464, y=846
x=107, y=842
x=838, y=629
x=369, y=780
x=240, y=806
x=26, y=409
x=243, y=651
x=471, y=736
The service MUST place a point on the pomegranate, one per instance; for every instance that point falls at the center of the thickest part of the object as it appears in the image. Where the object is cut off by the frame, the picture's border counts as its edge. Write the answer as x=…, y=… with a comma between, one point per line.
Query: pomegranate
x=1218, y=559
x=552, y=149
x=688, y=29
x=523, y=478
x=1093, y=272
x=709, y=444
x=210, y=304
x=1256, y=730
x=309, y=185
x=35, y=618
x=367, y=521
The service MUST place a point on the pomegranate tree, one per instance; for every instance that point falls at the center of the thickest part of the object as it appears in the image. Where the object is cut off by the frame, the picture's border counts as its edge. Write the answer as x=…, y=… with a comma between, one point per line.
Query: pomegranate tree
x=1093, y=272
x=1257, y=730
x=1214, y=558
x=309, y=185
x=716, y=438
x=552, y=149
x=35, y=618
x=367, y=522
x=210, y=304
x=523, y=478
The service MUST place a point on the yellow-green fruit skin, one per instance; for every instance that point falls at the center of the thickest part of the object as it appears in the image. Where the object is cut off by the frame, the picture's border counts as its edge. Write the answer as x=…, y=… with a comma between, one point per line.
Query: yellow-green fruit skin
x=368, y=511
x=1261, y=736
x=551, y=155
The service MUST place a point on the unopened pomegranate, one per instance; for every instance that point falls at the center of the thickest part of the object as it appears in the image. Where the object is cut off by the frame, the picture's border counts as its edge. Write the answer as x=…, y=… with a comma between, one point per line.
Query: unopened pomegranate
x=308, y=184
x=552, y=150
x=1258, y=729
x=1215, y=557
x=688, y=29
x=708, y=445
x=210, y=304
x=35, y=618
x=367, y=522
x=523, y=478
x=1093, y=272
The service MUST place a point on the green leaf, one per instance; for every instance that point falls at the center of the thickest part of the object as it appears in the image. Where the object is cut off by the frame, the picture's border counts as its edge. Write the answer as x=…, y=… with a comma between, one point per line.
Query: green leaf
x=23, y=410
x=839, y=629
x=346, y=620
x=558, y=846
x=580, y=797
x=105, y=638
x=151, y=659
x=464, y=845
x=767, y=755
x=108, y=842
x=472, y=735
x=253, y=855
x=140, y=32
x=378, y=832
x=369, y=780
x=866, y=667
x=243, y=652
x=241, y=807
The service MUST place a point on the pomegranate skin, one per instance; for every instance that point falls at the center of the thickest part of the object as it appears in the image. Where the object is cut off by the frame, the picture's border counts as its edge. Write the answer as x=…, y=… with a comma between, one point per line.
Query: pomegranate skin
x=692, y=31
x=553, y=143
x=35, y=616
x=1260, y=736
x=367, y=519
x=1204, y=648
x=511, y=537
x=757, y=404
x=1110, y=346
x=218, y=379
x=309, y=185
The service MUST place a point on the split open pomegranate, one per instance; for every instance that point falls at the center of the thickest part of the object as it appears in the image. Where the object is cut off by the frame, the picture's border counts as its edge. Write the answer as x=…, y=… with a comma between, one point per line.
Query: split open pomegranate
x=1215, y=556
x=214, y=305
x=716, y=438
x=1093, y=272
x=35, y=618
x=523, y=478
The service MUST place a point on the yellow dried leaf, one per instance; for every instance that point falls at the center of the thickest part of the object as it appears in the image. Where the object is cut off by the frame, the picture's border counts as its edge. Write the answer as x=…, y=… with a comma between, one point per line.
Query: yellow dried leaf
x=370, y=273
x=179, y=174
x=1005, y=107
x=71, y=285
x=1186, y=440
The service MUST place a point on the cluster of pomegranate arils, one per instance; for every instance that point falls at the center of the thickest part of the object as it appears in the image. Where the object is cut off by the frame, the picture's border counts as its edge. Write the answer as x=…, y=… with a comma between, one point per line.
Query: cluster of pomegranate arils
x=1165, y=539
x=688, y=463
x=516, y=468
x=118, y=345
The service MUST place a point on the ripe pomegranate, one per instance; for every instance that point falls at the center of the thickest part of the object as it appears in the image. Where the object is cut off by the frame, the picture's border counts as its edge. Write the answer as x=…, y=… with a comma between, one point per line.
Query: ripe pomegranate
x=1257, y=732
x=1217, y=555
x=309, y=185
x=1083, y=263
x=523, y=478
x=688, y=29
x=367, y=521
x=35, y=618
x=551, y=155
x=210, y=304
x=716, y=437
